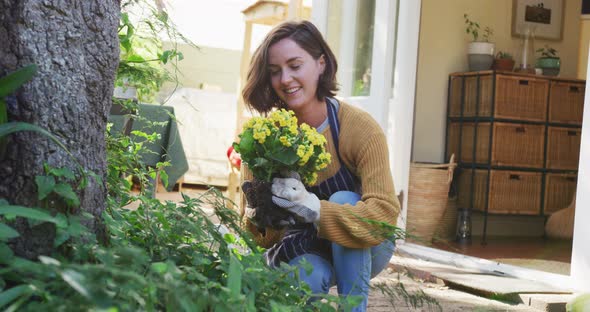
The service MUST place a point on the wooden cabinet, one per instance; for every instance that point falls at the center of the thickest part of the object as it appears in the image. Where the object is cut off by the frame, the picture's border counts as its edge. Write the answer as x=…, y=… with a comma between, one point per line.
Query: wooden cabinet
x=516, y=138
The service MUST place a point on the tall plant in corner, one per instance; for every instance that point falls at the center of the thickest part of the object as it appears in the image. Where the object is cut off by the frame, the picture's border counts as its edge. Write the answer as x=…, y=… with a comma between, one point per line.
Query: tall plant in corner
x=142, y=27
x=480, y=51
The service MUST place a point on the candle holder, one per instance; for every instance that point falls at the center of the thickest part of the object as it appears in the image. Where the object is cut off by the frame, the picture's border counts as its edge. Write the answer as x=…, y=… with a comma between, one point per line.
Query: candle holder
x=463, y=235
x=528, y=52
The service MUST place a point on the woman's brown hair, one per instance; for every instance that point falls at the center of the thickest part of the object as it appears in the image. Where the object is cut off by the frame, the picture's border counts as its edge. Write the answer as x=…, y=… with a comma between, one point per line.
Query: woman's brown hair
x=258, y=93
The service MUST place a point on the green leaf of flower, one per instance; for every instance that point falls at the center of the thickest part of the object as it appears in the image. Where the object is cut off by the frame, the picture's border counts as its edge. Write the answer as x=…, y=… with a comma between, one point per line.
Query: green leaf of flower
x=285, y=156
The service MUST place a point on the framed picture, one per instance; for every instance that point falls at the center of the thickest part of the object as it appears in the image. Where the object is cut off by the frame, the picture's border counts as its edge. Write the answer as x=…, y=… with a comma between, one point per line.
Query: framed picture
x=585, y=9
x=543, y=17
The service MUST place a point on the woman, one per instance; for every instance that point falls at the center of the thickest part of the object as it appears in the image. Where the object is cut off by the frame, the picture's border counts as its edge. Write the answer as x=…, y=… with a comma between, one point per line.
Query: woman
x=295, y=69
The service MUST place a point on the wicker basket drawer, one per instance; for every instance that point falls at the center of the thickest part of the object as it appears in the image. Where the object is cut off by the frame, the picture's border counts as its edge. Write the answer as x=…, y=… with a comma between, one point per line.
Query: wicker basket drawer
x=467, y=131
x=521, y=98
x=510, y=192
x=566, y=102
x=466, y=188
x=560, y=189
x=563, y=148
x=515, y=192
x=469, y=85
x=518, y=145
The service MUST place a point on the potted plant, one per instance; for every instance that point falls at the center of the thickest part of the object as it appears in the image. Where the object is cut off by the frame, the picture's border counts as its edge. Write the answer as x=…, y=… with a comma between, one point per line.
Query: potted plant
x=503, y=61
x=480, y=51
x=549, y=62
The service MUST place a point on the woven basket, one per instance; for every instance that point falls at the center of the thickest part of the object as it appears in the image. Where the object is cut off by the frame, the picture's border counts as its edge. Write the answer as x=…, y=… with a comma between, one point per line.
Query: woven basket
x=427, y=198
x=446, y=229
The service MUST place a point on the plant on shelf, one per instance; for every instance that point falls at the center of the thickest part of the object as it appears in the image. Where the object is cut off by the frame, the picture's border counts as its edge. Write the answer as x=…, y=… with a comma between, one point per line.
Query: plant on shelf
x=549, y=62
x=473, y=29
x=480, y=50
x=503, y=61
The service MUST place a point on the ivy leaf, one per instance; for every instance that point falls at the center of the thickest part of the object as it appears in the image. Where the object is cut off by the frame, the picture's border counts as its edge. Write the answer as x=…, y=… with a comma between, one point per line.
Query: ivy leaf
x=26, y=212
x=45, y=185
x=134, y=58
x=62, y=172
x=13, y=293
x=234, y=276
x=76, y=281
x=14, y=80
x=7, y=232
x=6, y=254
x=164, y=177
x=60, y=237
x=159, y=267
x=66, y=192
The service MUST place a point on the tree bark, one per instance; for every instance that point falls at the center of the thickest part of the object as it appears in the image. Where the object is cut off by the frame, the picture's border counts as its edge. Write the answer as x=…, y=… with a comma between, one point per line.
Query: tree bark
x=76, y=48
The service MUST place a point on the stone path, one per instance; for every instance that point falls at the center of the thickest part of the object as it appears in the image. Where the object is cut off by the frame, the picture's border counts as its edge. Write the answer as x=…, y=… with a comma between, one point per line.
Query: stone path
x=434, y=297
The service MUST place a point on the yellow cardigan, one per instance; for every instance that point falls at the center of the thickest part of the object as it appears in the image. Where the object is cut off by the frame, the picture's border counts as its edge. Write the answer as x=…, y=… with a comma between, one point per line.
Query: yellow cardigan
x=363, y=149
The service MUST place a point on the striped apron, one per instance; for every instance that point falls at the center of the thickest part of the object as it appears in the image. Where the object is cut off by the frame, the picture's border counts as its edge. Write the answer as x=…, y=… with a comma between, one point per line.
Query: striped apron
x=302, y=238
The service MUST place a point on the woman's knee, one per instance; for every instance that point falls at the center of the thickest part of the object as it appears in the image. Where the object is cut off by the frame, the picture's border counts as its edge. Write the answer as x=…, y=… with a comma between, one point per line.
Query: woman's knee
x=381, y=255
x=320, y=278
x=345, y=197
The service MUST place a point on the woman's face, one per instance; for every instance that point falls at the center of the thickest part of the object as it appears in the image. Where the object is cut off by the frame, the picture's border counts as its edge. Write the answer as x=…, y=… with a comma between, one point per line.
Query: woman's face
x=294, y=74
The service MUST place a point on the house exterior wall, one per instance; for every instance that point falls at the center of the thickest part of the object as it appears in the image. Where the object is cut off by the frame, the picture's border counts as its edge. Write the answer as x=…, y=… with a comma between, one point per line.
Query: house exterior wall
x=208, y=67
x=442, y=50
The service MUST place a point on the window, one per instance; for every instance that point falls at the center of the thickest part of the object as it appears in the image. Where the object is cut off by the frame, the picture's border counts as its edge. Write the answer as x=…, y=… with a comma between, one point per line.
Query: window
x=352, y=43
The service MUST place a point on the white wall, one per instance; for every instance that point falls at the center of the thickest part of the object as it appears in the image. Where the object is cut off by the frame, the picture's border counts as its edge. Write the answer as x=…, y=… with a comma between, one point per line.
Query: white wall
x=217, y=67
x=442, y=46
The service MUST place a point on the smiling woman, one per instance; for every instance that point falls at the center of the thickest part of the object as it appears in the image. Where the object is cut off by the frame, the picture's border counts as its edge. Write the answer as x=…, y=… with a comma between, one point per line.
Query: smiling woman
x=340, y=228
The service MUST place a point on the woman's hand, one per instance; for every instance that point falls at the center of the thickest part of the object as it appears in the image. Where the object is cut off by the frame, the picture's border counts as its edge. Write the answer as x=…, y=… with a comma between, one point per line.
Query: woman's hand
x=291, y=195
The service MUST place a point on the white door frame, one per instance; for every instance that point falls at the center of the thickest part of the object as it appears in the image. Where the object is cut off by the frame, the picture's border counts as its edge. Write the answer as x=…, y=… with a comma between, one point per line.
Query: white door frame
x=580, y=265
x=398, y=112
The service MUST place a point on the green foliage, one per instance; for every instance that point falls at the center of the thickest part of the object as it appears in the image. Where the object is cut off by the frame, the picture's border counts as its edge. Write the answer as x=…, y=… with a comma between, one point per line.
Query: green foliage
x=160, y=256
x=142, y=57
x=472, y=28
x=8, y=85
x=547, y=52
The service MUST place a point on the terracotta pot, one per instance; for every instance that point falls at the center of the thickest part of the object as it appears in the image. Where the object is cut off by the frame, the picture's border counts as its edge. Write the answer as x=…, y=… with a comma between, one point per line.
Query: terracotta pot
x=503, y=64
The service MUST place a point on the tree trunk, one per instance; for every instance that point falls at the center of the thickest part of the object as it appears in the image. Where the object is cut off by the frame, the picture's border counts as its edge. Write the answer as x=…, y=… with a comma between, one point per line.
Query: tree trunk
x=76, y=48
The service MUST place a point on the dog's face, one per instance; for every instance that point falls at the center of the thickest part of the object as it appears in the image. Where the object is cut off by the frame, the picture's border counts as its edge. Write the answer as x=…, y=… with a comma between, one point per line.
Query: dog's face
x=288, y=188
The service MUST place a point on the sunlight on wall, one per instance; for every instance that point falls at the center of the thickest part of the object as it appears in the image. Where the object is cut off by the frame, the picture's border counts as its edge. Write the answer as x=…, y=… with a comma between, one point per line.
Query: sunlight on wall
x=215, y=24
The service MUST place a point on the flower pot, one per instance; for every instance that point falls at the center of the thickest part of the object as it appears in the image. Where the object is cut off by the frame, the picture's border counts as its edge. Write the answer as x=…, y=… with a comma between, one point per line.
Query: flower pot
x=549, y=65
x=480, y=55
x=503, y=64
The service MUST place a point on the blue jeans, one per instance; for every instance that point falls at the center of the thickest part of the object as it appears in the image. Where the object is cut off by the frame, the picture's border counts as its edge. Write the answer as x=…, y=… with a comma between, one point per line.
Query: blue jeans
x=352, y=268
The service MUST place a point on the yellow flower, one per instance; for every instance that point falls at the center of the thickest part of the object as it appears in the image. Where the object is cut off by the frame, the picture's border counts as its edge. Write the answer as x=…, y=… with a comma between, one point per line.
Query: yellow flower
x=303, y=140
x=285, y=141
x=301, y=151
